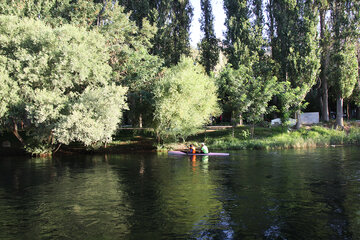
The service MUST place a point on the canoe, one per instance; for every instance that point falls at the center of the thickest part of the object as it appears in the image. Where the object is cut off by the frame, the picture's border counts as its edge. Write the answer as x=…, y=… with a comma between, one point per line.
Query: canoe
x=197, y=154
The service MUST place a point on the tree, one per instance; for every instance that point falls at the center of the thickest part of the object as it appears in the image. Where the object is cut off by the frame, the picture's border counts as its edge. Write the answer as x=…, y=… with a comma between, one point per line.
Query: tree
x=259, y=93
x=344, y=75
x=62, y=77
x=240, y=51
x=185, y=100
x=56, y=13
x=246, y=49
x=232, y=90
x=173, y=19
x=295, y=48
x=209, y=49
x=132, y=64
x=324, y=61
x=8, y=90
x=243, y=94
x=93, y=116
x=139, y=10
x=238, y=44
x=343, y=60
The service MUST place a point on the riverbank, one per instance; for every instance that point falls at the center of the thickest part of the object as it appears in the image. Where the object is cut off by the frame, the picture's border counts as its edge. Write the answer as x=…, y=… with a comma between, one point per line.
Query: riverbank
x=239, y=138
x=134, y=140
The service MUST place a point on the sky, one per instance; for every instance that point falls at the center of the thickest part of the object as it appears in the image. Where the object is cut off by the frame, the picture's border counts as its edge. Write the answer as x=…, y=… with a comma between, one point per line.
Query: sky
x=219, y=18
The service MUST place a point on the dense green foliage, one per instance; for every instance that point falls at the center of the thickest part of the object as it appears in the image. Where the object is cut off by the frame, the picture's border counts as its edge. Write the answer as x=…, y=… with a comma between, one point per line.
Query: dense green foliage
x=61, y=80
x=209, y=49
x=80, y=13
x=185, y=100
x=132, y=64
x=173, y=38
x=72, y=71
x=232, y=89
x=343, y=70
x=295, y=49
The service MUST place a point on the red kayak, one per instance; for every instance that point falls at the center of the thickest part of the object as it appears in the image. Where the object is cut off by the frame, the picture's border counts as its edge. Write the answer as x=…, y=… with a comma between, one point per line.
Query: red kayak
x=197, y=154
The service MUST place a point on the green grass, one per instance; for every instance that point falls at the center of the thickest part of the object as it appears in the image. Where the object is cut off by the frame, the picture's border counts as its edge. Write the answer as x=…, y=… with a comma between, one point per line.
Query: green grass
x=277, y=138
x=239, y=138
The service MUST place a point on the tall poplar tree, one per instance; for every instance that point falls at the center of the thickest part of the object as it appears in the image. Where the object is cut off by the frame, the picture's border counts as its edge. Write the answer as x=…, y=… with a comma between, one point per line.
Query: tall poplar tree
x=178, y=32
x=238, y=44
x=324, y=61
x=209, y=49
x=139, y=9
x=245, y=48
x=294, y=45
x=172, y=19
x=343, y=60
x=131, y=62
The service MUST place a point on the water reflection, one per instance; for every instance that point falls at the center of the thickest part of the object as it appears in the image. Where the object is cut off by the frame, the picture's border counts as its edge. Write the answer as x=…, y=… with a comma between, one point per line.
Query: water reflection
x=295, y=194
x=57, y=198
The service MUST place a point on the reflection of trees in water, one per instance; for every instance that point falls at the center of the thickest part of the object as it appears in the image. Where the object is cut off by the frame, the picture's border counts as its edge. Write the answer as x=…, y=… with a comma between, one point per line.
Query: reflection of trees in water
x=291, y=193
x=69, y=198
x=307, y=194
x=350, y=170
x=172, y=197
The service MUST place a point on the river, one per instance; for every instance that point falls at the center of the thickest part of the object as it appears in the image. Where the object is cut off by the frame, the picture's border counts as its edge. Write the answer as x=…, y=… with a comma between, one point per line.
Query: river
x=289, y=194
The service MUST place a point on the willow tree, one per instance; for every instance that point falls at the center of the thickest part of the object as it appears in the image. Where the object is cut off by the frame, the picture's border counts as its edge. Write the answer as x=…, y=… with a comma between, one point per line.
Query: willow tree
x=8, y=90
x=185, y=100
x=209, y=44
x=61, y=80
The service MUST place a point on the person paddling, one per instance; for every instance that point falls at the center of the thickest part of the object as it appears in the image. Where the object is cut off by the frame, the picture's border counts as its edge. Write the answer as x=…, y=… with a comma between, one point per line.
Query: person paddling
x=204, y=148
x=192, y=149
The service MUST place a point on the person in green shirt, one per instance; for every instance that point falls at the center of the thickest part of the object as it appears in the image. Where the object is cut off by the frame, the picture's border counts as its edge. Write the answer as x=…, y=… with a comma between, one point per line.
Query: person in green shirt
x=204, y=148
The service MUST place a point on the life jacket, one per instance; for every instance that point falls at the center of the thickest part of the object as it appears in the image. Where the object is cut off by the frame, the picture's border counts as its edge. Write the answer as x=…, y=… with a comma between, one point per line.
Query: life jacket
x=192, y=149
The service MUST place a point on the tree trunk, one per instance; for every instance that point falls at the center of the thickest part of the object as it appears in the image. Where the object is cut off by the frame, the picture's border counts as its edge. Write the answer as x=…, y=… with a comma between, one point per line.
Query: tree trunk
x=57, y=148
x=140, y=121
x=98, y=19
x=16, y=133
x=325, y=101
x=339, y=112
x=321, y=106
x=240, y=120
x=324, y=63
x=140, y=115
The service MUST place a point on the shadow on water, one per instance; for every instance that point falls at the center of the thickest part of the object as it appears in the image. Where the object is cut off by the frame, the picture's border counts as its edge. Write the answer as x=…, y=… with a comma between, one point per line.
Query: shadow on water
x=290, y=194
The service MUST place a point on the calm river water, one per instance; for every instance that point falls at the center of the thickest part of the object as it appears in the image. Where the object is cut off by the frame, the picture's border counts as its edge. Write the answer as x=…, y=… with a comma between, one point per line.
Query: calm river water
x=292, y=194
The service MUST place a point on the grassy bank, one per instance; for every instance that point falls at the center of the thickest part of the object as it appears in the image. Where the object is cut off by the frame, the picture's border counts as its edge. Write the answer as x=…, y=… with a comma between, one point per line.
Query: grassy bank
x=274, y=138
x=217, y=138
